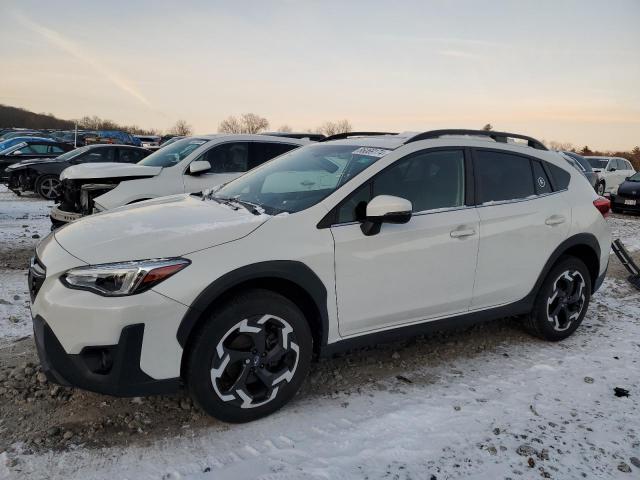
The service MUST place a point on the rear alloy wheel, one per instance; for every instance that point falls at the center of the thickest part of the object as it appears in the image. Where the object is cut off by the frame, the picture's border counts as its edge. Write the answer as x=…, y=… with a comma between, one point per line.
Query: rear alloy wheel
x=562, y=301
x=250, y=358
x=48, y=187
x=600, y=188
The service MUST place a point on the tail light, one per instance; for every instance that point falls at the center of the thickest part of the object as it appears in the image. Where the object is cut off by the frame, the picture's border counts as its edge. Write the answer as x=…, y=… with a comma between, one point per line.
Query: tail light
x=603, y=205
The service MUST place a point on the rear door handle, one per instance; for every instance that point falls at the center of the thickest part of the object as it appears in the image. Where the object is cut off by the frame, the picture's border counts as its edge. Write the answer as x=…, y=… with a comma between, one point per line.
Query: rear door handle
x=554, y=220
x=462, y=232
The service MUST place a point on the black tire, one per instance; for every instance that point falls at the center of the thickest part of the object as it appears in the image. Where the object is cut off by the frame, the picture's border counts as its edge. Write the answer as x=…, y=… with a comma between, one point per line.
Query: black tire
x=240, y=376
x=542, y=322
x=48, y=186
x=600, y=188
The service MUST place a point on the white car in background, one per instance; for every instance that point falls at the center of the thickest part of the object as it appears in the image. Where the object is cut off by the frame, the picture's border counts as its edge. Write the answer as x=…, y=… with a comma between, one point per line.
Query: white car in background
x=151, y=142
x=612, y=172
x=188, y=165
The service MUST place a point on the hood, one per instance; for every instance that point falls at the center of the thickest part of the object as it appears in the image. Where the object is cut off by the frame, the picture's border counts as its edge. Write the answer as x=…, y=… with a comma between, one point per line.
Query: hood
x=33, y=161
x=629, y=188
x=108, y=170
x=163, y=227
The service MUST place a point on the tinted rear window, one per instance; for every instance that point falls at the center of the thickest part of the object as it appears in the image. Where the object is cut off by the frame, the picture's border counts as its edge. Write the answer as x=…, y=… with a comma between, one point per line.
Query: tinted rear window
x=502, y=176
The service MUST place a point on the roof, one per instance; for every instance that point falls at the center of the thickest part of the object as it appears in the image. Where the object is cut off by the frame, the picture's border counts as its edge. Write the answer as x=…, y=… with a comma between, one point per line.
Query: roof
x=249, y=137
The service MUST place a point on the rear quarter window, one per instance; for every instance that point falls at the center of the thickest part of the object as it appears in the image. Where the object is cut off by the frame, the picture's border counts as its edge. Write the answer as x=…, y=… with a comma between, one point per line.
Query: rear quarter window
x=559, y=176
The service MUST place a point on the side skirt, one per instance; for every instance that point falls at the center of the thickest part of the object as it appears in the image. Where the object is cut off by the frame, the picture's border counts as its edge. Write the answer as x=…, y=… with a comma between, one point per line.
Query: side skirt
x=521, y=307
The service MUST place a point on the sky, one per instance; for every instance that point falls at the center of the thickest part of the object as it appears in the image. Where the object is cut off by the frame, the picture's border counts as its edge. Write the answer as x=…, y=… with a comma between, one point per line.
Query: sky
x=563, y=70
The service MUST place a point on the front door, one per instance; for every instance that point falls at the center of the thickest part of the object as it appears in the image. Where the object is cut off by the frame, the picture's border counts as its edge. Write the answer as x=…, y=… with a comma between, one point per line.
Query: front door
x=417, y=271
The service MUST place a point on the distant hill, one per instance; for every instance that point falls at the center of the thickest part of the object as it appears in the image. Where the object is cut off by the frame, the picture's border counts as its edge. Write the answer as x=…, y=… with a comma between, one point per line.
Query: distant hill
x=21, y=118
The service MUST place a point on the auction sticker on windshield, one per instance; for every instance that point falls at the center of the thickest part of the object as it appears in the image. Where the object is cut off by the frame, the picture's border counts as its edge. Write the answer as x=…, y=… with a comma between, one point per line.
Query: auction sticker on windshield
x=371, y=152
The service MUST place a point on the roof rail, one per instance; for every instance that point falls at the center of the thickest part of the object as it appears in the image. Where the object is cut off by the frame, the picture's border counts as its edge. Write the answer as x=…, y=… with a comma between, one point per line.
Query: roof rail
x=340, y=136
x=497, y=136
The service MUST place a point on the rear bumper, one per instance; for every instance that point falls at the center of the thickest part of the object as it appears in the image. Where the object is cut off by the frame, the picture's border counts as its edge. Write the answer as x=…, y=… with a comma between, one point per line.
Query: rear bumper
x=108, y=369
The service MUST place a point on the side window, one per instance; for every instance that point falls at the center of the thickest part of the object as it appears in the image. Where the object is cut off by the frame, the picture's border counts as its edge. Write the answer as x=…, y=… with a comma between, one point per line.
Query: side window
x=56, y=149
x=228, y=157
x=559, y=177
x=429, y=180
x=39, y=148
x=502, y=176
x=99, y=155
x=262, y=152
x=540, y=177
x=127, y=155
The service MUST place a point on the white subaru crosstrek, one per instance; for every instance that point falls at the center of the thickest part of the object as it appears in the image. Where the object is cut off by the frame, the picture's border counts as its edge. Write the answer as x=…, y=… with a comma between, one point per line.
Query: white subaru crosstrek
x=330, y=246
x=187, y=165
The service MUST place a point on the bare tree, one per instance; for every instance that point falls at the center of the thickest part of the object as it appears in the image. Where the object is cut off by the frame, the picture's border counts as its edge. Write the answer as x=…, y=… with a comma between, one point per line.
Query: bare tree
x=181, y=127
x=247, y=123
x=333, y=128
x=230, y=124
x=488, y=127
x=253, y=123
x=553, y=145
x=285, y=129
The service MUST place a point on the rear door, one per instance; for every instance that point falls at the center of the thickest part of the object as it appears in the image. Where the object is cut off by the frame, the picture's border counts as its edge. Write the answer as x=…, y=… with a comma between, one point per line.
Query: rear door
x=417, y=271
x=524, y=216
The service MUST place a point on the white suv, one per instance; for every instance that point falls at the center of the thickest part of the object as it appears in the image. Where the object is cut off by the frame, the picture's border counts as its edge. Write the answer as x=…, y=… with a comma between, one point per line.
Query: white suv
x=330, y=246
x=612, y=172
x=188, y=165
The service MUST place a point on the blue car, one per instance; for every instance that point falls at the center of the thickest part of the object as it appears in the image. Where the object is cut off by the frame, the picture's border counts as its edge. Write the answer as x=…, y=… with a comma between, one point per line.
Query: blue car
x=10, y=142
x=113, y=136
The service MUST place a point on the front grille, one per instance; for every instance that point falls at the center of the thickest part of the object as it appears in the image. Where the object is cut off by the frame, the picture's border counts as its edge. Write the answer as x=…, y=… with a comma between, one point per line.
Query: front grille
x=37, y=274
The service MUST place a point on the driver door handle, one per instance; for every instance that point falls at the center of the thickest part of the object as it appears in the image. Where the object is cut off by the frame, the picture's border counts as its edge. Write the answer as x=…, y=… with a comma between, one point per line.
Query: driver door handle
x=554, y=220
x=462, y=232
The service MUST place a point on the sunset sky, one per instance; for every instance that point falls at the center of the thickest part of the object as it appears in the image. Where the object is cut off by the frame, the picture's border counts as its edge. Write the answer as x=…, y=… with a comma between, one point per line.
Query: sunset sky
x=557, y=70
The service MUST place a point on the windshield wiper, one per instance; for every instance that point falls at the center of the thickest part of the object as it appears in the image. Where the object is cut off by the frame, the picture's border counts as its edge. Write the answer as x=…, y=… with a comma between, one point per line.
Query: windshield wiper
x=234, y=202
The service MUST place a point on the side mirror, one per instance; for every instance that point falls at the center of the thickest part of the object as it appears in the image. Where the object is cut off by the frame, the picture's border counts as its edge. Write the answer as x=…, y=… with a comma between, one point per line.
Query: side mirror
x=385, y=209
x=17, y=152
x=627, y=179
x=199, y=166
x=612, y=169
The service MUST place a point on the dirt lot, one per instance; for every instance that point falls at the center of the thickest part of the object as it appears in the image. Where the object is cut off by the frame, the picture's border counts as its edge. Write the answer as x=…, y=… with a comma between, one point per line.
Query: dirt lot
x=495, y=374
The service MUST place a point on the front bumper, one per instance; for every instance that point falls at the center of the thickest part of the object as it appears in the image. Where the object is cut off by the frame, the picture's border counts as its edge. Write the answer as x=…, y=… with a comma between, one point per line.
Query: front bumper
x=109, y=369
x=115, y=345
x=60, y=217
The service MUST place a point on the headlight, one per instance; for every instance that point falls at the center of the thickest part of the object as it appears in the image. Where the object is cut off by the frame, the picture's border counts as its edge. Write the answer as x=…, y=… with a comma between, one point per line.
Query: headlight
x=123, y=278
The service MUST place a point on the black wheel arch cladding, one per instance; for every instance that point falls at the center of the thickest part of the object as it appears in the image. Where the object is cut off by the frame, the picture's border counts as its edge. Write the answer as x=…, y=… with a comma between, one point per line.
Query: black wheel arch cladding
x=292, y=278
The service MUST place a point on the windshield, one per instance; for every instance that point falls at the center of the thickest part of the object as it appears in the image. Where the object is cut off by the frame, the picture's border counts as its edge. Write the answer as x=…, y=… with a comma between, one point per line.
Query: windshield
x=300, y=178
x=598, y=162
x=174, y=153
x=635, y=177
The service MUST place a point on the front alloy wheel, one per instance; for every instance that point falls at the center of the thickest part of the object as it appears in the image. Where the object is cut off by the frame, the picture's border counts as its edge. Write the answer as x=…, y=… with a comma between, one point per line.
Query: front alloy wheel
x=253, y=360
x=249, y=357
x=49, y=188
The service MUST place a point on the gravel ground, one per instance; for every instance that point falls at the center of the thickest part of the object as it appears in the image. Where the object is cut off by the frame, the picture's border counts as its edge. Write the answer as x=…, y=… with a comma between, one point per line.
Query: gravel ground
x=472, y=403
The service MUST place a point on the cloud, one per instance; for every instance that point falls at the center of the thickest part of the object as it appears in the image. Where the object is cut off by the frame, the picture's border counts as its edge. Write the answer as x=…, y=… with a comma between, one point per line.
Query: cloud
x=70, y=47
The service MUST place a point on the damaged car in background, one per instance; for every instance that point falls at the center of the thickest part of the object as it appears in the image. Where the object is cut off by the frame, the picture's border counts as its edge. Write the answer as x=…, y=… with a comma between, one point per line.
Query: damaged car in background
x=188, y=165
x=42, y=175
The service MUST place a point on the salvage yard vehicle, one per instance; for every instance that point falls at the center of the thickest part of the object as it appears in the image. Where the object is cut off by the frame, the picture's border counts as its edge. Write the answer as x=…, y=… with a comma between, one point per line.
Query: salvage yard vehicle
x=42, y=175
x=149, y=141
x=30, y=149
x=334, y=245
x=612, y=172
x=583, y=165
x=112, y=136
x=627, y=198
x=187, y=165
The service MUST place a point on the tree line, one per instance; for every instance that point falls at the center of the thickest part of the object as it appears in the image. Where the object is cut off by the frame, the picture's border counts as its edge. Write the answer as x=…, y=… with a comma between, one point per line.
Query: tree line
x=252, y=123
x=12, y=117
